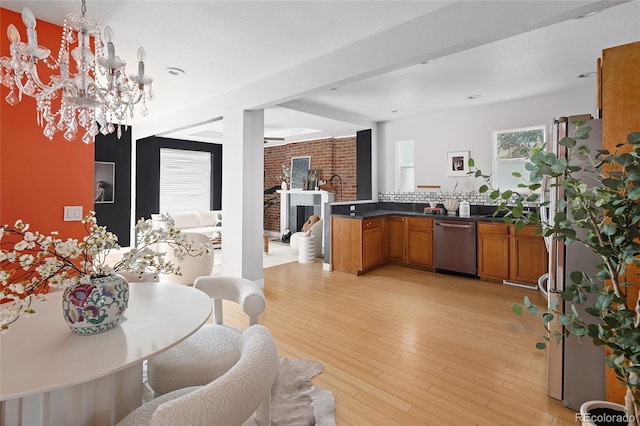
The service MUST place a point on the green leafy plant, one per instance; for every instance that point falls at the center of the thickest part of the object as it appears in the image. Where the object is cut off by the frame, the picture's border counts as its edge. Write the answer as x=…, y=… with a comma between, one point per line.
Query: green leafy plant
x=601, y=210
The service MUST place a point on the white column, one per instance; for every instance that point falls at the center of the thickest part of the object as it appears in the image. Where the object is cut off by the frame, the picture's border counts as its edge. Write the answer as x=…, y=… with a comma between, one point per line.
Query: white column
x=242, y=193
x=284, y=210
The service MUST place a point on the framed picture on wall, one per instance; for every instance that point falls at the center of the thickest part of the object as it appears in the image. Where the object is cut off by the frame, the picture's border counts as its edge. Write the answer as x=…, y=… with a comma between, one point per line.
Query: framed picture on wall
x=511, y=151
x=299, y=170
x=104, y=178
x=457, y=163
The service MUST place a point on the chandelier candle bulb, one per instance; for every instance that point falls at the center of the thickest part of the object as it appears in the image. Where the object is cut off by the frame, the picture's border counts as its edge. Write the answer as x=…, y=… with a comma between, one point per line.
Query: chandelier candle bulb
x=141, y=57
x=28, y=18
x=109, y=37
x=14, y=35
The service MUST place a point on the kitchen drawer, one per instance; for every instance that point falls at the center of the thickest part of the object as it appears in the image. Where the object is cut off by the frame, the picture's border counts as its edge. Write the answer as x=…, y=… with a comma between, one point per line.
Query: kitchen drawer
x=493, y=228
x=371, y=223
x=420, y=222
x=527, y=231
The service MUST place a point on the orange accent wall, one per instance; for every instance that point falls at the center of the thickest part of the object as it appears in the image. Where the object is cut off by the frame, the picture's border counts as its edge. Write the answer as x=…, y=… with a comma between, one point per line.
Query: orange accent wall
x=38, y=177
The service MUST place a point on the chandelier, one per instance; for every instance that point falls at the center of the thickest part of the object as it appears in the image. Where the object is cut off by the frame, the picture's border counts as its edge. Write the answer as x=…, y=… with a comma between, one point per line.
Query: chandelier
x=95, y=97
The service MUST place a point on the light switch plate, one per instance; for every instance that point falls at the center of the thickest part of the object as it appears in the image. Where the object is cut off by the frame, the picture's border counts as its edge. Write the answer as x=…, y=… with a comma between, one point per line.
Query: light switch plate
x=72, y=213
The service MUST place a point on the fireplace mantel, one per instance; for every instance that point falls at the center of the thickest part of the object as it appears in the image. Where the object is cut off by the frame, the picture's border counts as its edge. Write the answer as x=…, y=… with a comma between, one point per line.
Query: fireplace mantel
x=290, y=199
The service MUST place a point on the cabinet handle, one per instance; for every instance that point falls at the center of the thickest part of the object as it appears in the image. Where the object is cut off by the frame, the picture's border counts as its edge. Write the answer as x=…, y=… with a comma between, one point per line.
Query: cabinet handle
x=450, y=225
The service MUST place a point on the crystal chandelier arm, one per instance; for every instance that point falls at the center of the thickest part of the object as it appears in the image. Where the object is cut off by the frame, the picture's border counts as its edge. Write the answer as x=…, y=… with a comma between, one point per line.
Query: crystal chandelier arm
x=53, y=85
x=84, y=100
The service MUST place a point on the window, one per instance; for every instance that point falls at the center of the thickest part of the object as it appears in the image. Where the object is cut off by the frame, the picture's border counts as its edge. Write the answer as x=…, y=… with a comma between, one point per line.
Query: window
x=185, y=180
x=405, y=166
x=511, y=151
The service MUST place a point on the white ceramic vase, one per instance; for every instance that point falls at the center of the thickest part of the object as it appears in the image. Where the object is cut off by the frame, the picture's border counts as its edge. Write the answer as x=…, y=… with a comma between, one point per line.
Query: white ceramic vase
x=591, y=419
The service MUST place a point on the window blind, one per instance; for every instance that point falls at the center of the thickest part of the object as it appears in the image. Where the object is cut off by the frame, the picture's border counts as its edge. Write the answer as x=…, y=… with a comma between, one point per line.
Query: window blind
x=185, y=180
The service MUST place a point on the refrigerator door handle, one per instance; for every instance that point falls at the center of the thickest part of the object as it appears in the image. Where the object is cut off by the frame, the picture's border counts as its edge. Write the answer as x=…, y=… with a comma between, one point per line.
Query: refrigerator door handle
x=543, y=285
x=555, y=354
x=545, y=195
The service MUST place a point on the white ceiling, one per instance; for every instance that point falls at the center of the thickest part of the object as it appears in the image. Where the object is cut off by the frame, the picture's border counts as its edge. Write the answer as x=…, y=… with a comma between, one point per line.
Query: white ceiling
x=225, y=45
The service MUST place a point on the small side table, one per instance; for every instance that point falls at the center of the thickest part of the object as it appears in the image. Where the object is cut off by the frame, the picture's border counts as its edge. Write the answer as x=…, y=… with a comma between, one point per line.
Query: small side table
x=306, y=249
x=266, y=243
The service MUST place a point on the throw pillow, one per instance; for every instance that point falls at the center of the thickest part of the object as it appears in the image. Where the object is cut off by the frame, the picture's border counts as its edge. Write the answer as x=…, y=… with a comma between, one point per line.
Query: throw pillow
x=309, y=223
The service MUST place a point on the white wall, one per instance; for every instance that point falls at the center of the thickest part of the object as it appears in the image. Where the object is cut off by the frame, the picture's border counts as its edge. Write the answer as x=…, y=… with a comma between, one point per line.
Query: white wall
x=469, y=129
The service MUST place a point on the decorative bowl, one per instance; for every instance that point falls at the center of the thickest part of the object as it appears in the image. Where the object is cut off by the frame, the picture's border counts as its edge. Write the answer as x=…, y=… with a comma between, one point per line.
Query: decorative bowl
x=451, y=205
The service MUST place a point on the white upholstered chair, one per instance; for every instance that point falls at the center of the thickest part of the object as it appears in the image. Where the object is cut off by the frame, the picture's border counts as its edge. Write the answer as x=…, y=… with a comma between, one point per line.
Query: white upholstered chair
x=231, y=399
x=214, y=348
x=191, y=267
x=316, y=230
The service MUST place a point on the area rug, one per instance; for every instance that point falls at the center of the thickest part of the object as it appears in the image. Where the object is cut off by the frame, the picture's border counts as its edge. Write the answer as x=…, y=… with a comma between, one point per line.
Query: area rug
x=295, y=401
x=279, y=253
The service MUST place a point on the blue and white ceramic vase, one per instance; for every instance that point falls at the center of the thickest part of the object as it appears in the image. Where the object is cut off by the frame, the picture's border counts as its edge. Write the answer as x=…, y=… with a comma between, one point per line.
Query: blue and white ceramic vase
x=95, y=307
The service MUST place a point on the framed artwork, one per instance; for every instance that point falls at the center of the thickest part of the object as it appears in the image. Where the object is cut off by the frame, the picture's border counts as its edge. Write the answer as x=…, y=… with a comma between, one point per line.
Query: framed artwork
x=299, y=170
x=457, y=163
x=511, y=151
x=104, y=178
x=312, y=178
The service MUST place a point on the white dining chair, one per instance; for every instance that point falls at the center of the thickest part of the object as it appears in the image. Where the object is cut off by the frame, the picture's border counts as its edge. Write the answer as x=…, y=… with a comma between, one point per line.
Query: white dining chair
x=231, y=399
x=214, y=348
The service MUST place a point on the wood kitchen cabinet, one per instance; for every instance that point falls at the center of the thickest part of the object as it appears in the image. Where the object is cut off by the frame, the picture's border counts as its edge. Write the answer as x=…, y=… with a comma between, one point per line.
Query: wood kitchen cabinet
x=359, y=245
x=395, y=238
x=356, y=244
x=346, y=244
x=508, y=253
x=493, y=251
x=371, y=243
x=528, y=253
x=619, y=87
x=419, y=241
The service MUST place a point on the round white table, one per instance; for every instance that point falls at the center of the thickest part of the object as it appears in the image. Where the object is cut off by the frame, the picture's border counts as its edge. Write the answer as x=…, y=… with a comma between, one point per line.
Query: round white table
x=50, y=376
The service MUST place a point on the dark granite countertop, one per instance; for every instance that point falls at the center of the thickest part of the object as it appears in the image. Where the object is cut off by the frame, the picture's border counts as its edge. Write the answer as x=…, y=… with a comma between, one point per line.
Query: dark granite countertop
x=378, y=213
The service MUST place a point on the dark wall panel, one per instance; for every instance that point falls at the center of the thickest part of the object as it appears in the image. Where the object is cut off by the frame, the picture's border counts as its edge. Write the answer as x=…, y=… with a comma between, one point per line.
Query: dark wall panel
x=363, y=165
x=116, y=216
x=148, y=171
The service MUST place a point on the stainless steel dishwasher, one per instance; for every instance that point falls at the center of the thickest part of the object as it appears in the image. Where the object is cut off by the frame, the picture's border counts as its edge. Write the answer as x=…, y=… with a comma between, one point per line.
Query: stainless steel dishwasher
x=454, y=247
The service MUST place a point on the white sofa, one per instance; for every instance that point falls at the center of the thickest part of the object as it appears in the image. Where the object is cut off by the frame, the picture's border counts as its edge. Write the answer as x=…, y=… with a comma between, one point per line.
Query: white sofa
x=208, y=223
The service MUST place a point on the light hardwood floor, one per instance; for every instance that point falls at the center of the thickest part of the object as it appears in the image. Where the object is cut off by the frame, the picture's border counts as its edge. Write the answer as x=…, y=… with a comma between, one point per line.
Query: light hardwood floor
x=408, y=347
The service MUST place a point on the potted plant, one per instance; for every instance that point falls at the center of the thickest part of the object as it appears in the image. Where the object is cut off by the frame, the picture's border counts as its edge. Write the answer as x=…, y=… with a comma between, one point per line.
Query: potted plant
x=606, y=211
x=32, y=263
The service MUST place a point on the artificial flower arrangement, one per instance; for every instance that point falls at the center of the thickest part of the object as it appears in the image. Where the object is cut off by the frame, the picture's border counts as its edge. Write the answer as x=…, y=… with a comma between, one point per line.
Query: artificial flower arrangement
x=32, y=263
x=286, y=174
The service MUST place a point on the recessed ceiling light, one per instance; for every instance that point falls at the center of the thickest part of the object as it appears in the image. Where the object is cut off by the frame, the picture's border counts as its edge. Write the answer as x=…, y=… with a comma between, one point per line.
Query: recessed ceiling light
x=175, y=71
x=587, y=15
x=586, y=74
x=333, y=88
x=429, y=61
x=395, y=111
x=474, y=97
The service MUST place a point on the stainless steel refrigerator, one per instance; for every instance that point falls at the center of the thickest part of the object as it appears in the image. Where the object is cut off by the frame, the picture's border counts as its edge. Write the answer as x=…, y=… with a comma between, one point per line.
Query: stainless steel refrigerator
x=575, y=370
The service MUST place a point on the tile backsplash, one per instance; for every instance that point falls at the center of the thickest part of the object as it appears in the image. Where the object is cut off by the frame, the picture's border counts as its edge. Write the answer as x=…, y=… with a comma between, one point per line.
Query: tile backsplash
x=473, y=198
